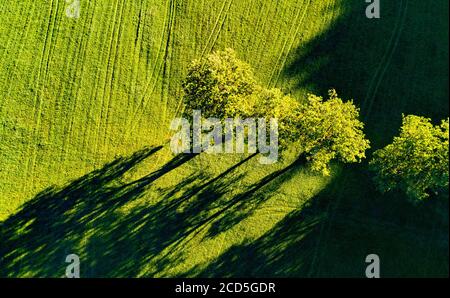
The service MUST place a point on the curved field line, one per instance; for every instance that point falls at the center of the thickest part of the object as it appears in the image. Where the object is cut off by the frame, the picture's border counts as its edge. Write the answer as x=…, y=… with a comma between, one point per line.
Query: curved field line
x=167, y=67
x=87, y=25
x=37, y=101
x=330, y=7
x=284, y=46
x=180, y=100
x=113, y=51
x=386, y=53
x=214, y=28
x=156, y=65
x=71, y=118
x=105, y=83
x=261, y=39
x=221, y=26
x=12, y=37
x=389, y=60
x=162, y=67
x=52, y=109
x=216, y=31
x=154, y=73
x=118, y=46
x=22, y=43
x=78, y=51
x=136, y=56
x=292, y=43
x=87, y=131
x=95, y=93
x=386, y=60
x=252, y=38
x=51, y=48
x=220, y=20
x=331, y=209
x=297, y=23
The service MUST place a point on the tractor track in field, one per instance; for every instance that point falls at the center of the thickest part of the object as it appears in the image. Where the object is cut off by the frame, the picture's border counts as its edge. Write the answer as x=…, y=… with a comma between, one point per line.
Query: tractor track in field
x=377, y=79
x=108, y=86
x=163, y=68
x=280, y=57
x=22, y=46
x=225, y=16
x=100, y=91
x=281, y=62
x=38, y=100
x=167, y=65
x=261, y=34
x=109, y=77
x=51, y=51
x=153, y=79
x=214, y=36
x=118, y=46
x=94, y=94
x=328, y=16
x=252, y=40
x=79, y=71
x=61, y=90
x=221, y=18
x=136, y=56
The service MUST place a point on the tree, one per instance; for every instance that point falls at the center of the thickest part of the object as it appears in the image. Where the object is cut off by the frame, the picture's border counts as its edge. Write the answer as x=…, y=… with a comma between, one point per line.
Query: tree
x=417, y=161
x=330, y=130
x=213, y=82
x=269, y=104
x=222, y=86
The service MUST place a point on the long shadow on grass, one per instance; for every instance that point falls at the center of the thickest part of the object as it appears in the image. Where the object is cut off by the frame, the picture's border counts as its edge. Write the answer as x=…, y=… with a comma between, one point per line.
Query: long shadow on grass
x=85, y=218
x=57, y=222
x=164, y=229
x=397, y=64
x=389, y=66
x=331, y=238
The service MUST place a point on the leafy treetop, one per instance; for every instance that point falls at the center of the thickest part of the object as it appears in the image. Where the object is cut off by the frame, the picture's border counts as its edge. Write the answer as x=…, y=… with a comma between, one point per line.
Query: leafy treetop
x=417, y=161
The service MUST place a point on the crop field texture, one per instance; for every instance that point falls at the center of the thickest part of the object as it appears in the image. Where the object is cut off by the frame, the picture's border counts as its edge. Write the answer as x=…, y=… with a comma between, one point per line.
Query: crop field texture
x=85, y=168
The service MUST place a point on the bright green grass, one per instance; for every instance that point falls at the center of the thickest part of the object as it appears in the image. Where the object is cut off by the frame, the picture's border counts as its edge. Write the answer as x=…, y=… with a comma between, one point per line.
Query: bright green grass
x=77, y=94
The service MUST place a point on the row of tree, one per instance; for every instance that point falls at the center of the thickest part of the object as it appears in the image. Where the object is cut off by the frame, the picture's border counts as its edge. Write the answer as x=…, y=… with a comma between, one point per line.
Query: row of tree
x=222, y=86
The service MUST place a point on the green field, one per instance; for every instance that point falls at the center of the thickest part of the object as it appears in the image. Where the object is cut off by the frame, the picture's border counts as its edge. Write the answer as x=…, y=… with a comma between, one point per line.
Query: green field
x=85, y=108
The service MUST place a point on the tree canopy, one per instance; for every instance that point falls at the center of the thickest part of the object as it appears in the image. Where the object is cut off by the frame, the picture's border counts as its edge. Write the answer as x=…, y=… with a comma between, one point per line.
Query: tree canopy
x=222, y=86
x=267, y=104
x=213, y=82
x=330, y=130
x=417, y=161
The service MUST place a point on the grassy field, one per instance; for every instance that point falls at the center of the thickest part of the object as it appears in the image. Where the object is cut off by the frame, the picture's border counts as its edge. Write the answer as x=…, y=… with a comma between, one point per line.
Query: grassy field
x=85, y=107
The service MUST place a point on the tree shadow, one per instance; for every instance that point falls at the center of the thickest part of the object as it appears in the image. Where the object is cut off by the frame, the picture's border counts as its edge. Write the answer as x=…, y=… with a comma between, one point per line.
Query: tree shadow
x=57, y=222
x=373, y=61
x=397, y=64
x=244, y=204
x=85, y=217
x=389, y=66
x=329, y=238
